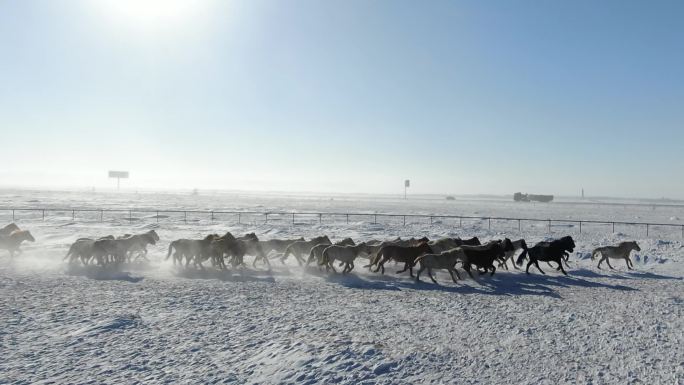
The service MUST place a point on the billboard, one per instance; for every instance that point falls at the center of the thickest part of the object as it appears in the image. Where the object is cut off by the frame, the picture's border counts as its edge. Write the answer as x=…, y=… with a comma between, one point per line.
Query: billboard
x=118, y=174
x=407, y=183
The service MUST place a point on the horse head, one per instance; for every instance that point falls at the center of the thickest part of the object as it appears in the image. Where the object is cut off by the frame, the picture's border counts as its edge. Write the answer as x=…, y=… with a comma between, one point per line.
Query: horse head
x=523, y=244
x=322, y=239
x=153, y=234
x=22, y=235
x=567, y=243
x=507, y=245
x=424, y=247
x=250, y=237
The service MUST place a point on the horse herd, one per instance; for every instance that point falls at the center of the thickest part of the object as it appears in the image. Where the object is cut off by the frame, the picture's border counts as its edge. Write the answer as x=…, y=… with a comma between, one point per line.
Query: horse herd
x=444, y=253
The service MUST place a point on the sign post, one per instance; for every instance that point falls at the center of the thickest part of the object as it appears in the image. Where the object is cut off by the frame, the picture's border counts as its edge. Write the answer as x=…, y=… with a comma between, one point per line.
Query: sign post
x=407, y=184
x=118, y=175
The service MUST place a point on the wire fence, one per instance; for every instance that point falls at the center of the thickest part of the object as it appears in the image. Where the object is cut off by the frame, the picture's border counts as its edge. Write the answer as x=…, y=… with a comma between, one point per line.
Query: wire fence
x=302, y=218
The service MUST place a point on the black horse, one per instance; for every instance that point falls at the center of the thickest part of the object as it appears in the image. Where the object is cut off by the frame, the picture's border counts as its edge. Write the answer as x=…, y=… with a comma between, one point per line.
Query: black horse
x=474, y=241
x=483, y=257
x=555, y=251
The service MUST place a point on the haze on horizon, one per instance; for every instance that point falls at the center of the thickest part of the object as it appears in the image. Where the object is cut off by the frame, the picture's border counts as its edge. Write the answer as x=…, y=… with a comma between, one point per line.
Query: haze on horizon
x=461, y=97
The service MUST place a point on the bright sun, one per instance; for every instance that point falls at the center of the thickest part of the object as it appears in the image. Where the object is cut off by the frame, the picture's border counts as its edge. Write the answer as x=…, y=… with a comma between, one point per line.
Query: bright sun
x=151, y=13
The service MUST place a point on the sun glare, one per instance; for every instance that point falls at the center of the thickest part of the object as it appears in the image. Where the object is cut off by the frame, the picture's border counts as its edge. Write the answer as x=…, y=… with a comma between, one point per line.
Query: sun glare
x=151, y=14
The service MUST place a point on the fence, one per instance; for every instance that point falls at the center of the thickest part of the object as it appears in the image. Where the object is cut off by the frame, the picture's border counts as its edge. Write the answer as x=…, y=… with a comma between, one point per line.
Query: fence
x=247, y=217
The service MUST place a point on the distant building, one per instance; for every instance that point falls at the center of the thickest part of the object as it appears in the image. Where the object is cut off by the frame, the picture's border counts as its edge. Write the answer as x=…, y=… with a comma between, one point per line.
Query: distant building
x=520, y=197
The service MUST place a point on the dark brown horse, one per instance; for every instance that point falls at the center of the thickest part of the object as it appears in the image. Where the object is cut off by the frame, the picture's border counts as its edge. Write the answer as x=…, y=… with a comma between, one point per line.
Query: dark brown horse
x=483, y=256
x=405, y=255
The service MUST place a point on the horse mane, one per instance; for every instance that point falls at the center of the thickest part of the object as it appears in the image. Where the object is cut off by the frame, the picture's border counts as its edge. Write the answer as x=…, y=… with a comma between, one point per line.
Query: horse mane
x=12, y=226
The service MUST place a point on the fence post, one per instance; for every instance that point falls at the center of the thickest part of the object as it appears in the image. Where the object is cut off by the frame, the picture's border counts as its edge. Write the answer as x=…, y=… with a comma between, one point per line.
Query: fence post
x=130, y=217
x=430, y=220
x=580, y=227
x=185, y=216
x=375, y=219
x=647, y=229
x=549, y=226
x=43, y=215
x=682, y=231
x=320, y=218
x=293, y=220
x=157, y=216
x=518, y=225
x=265, y=217
x=212, y=216
x=238, y=218
x=460, y=222
x=73, y=215
x=613, y=227
x=12, y=215
x=489, y=223
x=404, y=220
x=348, y=223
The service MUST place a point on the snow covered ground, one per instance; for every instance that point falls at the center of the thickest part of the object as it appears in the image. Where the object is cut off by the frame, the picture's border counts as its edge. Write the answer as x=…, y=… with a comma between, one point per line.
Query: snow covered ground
x=155, y=323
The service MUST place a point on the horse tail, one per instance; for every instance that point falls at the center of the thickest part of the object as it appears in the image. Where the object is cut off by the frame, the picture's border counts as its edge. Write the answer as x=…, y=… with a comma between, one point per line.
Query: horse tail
x=285, y=254
x=312, y=253
x=378, y=256
x=171, y=246
x=374, y=261
x=324, y=257
x=521, y=258
x=68, y=254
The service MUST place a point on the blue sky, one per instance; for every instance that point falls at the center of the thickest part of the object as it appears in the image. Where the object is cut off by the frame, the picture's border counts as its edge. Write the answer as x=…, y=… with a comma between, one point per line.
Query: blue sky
x=345, y=96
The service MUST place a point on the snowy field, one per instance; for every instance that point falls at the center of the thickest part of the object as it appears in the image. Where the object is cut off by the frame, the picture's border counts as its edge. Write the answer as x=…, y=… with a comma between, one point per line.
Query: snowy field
x=154, y=323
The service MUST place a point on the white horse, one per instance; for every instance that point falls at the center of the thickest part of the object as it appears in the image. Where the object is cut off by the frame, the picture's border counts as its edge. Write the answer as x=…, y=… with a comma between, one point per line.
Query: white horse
x=12, y=241
x=345, y=254
x=620, y=251
x=445, y=260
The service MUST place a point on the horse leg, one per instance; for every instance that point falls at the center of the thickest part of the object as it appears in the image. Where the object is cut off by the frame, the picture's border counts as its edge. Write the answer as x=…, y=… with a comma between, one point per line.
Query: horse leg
x=560, y=265
x=379, y=266
x=467, y=269
x=418, y=273
x=300, y=260
x=451, y=272
x=608, y=262
x=600, y=260
x=627, y=262
x=527, y=270
x=536, y=263
x=406, y=267
x=284, y=257
x=514, y=264
x=430, y=274
x=493, y=269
